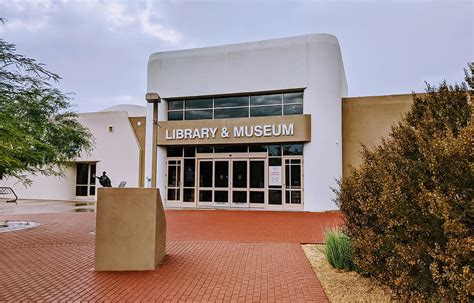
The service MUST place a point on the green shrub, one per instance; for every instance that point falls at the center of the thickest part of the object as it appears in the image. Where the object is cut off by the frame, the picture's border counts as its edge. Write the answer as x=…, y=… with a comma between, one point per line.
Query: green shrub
x=338, y=250
x=409, y=206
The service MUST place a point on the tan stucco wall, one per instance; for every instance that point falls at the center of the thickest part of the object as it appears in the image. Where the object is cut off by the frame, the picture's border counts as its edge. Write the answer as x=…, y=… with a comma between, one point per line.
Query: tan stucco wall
x=130, y=229
x=365, y=120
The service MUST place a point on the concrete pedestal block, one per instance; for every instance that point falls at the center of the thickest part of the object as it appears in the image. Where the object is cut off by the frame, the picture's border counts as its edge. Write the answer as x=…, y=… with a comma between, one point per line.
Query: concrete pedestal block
x=130, y=229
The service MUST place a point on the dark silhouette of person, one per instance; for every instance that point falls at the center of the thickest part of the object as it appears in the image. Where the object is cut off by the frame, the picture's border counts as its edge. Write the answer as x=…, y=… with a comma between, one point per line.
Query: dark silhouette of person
x=104, y=180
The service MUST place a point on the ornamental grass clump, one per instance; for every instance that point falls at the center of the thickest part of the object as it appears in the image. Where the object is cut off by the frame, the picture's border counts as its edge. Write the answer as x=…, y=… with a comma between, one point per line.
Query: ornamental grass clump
x=409, y=206
x=338, y=250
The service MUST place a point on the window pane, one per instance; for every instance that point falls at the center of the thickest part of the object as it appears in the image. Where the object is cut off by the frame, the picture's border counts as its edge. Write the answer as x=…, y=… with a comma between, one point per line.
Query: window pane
x=92, y=190
x=257, y=174
x=296, y=197
x=82, y=169
x=265, y=99
x=221, y=174
x=274, y=162
x=173, y=176
x=203, y=149
x=239, y=174
x=274, y=197
x=189, y=152
x=198, y=114
x=296, y=176
x=241, y=112
x=293, y=149
x=239, y=197
x=189, y=172
x=231, y=149
x=92, y=175
x=257, y=148
x=257, y=197
x=265, y=111
x=205, y=174
x=205, y=196
x=293, y=98
x=175, y=104
x=231, y=101
x=293, y=109
x=174, y=151
x=274, y=150
x=198, y=103
x=188, y=195
x=221, y=196
x=81, y=190
x=173, y=116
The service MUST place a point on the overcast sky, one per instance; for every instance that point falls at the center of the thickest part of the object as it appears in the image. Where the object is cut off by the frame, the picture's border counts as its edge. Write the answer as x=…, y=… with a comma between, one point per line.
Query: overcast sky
x=101, y=48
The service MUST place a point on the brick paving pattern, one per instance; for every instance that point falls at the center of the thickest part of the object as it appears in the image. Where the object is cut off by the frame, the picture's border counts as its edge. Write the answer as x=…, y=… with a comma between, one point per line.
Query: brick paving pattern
x=212, y=256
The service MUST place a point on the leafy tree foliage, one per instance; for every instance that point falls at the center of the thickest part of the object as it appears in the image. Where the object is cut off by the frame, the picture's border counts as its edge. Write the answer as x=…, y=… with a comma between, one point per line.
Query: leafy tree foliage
x=409, y=206
x=39, y=132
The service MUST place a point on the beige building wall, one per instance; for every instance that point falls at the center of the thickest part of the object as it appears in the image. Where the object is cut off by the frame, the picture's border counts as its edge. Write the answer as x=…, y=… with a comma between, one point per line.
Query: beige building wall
x=365, y=120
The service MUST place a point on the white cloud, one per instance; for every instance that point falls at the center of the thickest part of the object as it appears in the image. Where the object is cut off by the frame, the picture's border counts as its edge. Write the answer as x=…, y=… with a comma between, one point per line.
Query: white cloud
x=117, y=15
x=157, y=30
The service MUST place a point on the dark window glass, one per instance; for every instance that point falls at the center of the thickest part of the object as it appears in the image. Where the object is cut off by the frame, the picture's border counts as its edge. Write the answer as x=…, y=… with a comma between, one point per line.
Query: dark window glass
x=92, y=190
x=172, y=105
x=274, y=150
x=257, y=174
x=205, y=174
x=173, y=194
x=189, y=172
x=174, y=151
x=204, y=149
x=82, y=170
x=265, y=99
x=239, y=197
x=257, y=197
x=188, y=195
x=274, y=197
x=240, y=112
x=173, y=176
x=296, y=197
x=174, y=116
x=221, y=176
x=293, y=109
x=263, y=111
x=293, y=149
x=293, y=98
x=198, y=114
x=296, y=176
x=257, y=148
x=189, y=152
x=92, y=175
x=287, y=197
x=239, y=174
x=205, y=196
x=221, y=196
x=198, y=103
x=287, y=175
x=274, y=162
x=81, y=190
x=231, y=101
x=231, y=149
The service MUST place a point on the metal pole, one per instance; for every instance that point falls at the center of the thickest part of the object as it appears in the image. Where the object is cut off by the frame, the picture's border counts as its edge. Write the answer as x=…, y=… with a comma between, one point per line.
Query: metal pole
x=154, y=162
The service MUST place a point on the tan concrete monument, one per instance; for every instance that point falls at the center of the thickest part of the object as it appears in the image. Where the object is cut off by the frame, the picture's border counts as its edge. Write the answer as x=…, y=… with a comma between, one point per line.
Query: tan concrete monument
x=130, y=229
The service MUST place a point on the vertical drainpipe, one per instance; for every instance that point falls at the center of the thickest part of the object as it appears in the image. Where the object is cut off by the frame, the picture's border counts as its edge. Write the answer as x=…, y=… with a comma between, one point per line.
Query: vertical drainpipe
x=155, y=99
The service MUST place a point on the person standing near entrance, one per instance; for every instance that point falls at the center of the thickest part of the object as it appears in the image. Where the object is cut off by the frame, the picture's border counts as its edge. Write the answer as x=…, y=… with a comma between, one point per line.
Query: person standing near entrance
x=104, y=180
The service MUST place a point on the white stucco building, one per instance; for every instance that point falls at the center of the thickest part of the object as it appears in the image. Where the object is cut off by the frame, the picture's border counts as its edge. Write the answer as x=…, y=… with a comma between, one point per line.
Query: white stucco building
x=117, y=131
x=296, y=82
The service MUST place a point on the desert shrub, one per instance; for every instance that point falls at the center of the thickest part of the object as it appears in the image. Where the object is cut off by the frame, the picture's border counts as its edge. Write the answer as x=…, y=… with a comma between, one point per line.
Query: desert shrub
x=338, y=250
x=409, y=205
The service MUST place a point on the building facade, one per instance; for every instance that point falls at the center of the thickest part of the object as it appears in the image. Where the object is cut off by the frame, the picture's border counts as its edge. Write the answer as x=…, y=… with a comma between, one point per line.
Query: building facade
x=252, y=125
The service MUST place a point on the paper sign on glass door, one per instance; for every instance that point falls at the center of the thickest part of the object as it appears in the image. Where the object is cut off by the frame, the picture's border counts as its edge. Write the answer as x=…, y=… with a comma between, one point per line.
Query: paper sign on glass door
x=274, y=175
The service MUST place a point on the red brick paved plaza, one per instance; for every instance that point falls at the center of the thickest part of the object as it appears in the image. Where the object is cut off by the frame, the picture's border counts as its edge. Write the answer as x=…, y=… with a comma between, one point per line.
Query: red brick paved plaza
x=212, y=255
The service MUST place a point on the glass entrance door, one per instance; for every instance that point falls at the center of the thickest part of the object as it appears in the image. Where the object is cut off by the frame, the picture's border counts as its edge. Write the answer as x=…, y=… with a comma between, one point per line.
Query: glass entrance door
x=293, y=182
x=239, y=188
x=221, y=182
